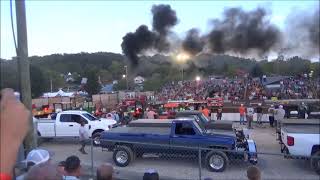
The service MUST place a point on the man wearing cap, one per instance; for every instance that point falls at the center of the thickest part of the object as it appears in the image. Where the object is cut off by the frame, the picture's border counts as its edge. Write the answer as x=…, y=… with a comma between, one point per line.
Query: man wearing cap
x=43, y=171
x=35, y=157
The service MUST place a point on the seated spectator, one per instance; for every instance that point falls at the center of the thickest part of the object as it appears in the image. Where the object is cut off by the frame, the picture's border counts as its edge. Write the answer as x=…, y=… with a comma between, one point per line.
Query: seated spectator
x=72, y=168
x=105, y=172
x=43, y=171
x=253, y=173
x=35, y=157
x=151, y=175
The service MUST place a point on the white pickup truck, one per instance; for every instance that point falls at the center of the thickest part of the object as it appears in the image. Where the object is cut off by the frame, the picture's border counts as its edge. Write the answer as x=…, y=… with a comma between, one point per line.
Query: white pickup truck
x=301, y=138
x=66, y=124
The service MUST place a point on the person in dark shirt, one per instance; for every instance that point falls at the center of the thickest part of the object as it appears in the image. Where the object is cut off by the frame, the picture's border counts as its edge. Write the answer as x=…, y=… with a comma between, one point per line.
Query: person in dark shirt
x=259, y=114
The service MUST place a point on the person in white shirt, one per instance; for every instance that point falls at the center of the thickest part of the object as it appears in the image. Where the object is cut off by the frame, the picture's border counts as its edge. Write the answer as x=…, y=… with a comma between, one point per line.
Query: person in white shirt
x=150, y=114
x=83, y=136
x=279, y=115
x=250, y=113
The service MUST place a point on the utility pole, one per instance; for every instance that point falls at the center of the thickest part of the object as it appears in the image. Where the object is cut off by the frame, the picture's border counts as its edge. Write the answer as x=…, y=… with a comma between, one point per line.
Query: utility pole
x=30, y=141
x=126, y=67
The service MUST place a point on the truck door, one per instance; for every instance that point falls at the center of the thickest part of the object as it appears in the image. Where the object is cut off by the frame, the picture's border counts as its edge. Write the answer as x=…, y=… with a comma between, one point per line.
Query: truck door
x=68, y=125
x=186, y=136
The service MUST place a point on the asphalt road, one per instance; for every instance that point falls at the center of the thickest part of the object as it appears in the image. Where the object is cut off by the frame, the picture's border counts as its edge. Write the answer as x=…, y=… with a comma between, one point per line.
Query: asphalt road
x=272, y=166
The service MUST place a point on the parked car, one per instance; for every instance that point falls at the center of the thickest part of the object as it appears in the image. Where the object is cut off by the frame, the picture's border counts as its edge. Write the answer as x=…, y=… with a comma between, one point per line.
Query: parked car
x=173, y=136
x=301, y=138
x=67, y=123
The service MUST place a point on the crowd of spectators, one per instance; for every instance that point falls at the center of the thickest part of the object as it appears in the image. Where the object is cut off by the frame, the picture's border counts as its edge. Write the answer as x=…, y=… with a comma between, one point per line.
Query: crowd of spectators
x=39, y=165
x=298, y=87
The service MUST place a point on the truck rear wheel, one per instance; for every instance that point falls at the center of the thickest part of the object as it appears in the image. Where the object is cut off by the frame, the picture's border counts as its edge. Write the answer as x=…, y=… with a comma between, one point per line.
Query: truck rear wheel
x=315, y=162
x=122, y=156
x=216, y=161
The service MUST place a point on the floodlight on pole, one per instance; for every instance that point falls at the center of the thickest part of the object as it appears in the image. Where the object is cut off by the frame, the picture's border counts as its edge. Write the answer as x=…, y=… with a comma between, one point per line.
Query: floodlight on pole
x=124, y=76
x=198, y=78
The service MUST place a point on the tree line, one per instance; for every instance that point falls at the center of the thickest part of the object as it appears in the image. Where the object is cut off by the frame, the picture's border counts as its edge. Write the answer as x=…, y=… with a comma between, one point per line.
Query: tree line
x=157, y=69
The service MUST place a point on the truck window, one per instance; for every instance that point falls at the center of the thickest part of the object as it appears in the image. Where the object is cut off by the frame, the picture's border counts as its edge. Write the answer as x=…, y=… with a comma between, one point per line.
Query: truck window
x=65, y=118
x=77, y=118
x=184, y=129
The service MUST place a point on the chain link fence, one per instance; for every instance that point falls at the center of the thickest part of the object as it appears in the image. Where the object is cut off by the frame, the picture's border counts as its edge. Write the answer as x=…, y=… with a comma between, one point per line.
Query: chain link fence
x=132, y=159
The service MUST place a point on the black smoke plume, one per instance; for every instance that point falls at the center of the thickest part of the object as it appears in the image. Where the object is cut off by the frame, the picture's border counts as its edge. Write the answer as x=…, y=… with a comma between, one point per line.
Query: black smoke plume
x=193, y=43
x=143, y=39
x=135, y=43
x=163, y=18
x=240, y=31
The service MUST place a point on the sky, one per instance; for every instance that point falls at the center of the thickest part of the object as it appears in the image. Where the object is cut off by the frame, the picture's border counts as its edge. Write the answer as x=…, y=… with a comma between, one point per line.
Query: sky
x=57, y=27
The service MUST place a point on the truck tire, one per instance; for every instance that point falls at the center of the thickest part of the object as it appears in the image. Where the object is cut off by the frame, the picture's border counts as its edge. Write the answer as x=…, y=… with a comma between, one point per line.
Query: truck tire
x=315, y=162
x=96, y=139
x=122, y=156
x=216, y=161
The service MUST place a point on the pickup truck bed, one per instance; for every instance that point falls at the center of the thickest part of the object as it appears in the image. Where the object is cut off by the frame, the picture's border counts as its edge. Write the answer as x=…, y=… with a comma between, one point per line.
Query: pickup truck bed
x=139, y=130
x=302, y=129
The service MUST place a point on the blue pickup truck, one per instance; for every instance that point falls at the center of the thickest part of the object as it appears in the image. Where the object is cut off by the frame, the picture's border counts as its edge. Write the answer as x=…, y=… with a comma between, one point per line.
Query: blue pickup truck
x=180, y=137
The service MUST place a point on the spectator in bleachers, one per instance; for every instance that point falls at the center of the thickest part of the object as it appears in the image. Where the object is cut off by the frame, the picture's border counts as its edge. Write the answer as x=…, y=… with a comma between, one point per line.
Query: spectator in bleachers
x=105, y=172
x=72, y=168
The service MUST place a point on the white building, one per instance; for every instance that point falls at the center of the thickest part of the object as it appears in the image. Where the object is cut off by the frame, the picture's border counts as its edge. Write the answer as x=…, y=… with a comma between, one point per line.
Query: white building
x=139, y=80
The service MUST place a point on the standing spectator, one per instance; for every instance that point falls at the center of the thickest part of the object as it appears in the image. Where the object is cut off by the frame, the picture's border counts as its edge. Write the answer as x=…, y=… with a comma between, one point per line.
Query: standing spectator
x=259, y=114
x=253, y=173
x=205, y=111
x=242, y=111
x=219, y=113
x=151, y=114
x=105, y=172
x=43, y=171
x=72, y=168
x=84, y=136
x=250, y=113
x=302, y=110
x=271, y=112
x=279, y=115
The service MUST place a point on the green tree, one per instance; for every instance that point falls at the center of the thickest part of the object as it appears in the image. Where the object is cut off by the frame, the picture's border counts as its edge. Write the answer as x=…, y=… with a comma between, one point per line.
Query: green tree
x=256, y=71
x=122, y=85
x=39, y=83
x=92, y=86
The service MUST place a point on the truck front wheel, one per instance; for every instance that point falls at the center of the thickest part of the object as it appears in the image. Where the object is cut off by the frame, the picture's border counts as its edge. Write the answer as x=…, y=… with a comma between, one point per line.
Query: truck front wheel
x=96, y=138
x=216, y=161
x=315, y=162
x=122, y=156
